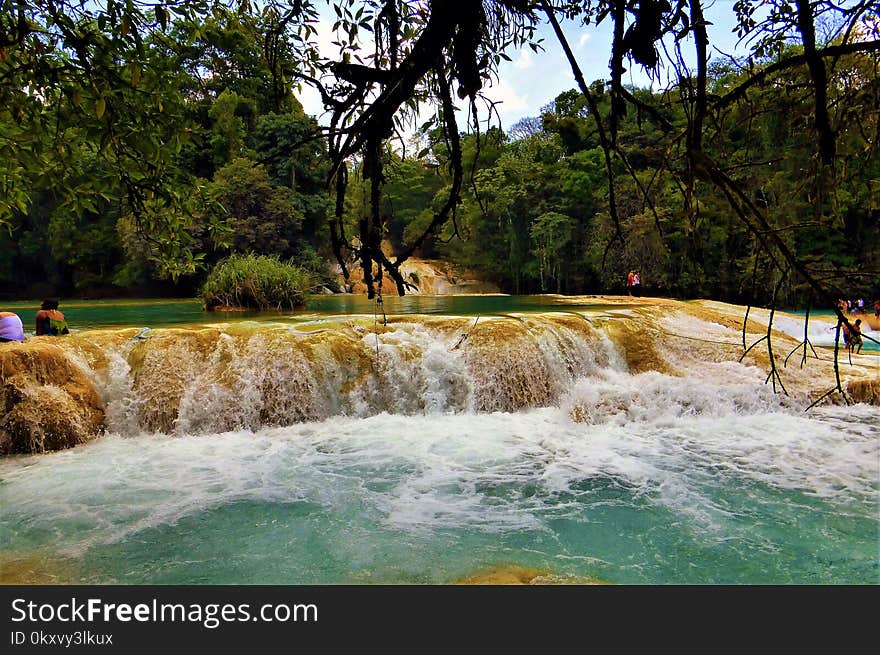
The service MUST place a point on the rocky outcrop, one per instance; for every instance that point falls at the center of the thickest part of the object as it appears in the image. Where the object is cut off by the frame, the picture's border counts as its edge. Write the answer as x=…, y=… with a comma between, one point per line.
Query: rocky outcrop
x=46, y=402
x=426, y=277
x=434, y=277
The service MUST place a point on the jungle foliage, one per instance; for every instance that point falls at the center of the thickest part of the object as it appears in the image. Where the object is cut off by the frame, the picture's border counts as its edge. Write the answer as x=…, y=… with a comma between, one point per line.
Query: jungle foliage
x=144, y=142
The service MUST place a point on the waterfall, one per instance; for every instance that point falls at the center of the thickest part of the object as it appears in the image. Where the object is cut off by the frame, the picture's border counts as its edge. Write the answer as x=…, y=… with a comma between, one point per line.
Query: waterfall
x=247, y=376
x=252, y=375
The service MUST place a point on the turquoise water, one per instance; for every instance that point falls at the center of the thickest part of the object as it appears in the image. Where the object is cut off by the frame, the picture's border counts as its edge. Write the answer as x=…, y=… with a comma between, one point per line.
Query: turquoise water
x=823, y=333
x=765, y=498
x=163, y=313
x=618, y=536
x=82, y=315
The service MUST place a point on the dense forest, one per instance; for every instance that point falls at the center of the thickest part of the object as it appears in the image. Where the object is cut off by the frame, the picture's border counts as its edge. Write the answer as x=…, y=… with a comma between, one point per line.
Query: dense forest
x=226, y=143
x=188, y=143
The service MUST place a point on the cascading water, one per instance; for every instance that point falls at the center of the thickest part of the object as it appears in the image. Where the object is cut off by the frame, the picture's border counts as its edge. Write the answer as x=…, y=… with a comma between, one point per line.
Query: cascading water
x=326, y=452
x=212, y=380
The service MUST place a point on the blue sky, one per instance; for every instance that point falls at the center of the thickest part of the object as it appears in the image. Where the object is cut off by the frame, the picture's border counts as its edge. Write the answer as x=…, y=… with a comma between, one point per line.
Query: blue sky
x=531, y=80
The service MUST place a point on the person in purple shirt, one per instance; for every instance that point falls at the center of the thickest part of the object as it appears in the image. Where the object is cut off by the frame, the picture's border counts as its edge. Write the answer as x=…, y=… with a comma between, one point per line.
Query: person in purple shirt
x=11, y=328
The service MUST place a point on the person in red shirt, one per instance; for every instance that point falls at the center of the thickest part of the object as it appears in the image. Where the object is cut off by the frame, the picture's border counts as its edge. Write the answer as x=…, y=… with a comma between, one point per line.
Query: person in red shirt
x=50, y=321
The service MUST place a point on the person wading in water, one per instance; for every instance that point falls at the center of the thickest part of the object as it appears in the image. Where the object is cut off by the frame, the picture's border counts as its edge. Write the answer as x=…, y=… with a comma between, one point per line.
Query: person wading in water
x=855, y=337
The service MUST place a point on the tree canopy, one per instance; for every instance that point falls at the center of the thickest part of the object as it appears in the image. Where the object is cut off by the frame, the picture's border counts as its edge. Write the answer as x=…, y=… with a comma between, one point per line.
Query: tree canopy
x=139, y=124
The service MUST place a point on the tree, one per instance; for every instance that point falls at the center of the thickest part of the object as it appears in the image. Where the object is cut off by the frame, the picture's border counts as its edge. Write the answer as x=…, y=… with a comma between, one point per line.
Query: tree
x=91, y=62
x=99, y=75
x=286, y=145
x=552, y=234
x=228, y=128
x=264, y=218
x=526, y=127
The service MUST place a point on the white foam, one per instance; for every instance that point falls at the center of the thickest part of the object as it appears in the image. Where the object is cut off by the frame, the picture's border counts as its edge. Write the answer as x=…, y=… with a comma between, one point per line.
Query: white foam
x=619, y=398
x=274, y=375
x=416, y=371
x=433, y=472
x=821, y=329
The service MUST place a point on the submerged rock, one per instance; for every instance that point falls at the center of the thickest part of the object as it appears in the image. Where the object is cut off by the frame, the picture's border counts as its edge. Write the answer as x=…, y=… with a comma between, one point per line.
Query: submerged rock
x=36, y=569
x=520, y=575
x=225, y=308
x=46, y=402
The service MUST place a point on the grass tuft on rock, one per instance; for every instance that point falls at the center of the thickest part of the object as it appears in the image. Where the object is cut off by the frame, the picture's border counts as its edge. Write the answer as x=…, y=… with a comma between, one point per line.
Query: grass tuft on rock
x=256, y=282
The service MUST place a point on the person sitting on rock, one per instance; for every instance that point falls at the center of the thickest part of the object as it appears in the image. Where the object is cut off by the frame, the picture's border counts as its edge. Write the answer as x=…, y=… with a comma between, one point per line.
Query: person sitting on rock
x=50, y=321
x=11, y=328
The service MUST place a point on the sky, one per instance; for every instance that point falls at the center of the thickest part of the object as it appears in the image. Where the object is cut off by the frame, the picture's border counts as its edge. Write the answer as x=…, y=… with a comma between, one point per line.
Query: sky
x=531, y=80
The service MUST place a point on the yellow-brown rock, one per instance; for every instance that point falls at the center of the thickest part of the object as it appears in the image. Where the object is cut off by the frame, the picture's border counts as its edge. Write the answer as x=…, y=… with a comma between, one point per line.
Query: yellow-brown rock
x=520, y=575
x=429, y=277
x=865, y=390
x=46, y=402
x=36, y=569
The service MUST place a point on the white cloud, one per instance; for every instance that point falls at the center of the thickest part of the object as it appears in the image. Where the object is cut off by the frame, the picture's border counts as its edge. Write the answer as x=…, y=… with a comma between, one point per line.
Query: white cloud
x=524, y=61
x=583, y=40
x=324, y=39
x=310, y=99
x=511, y=104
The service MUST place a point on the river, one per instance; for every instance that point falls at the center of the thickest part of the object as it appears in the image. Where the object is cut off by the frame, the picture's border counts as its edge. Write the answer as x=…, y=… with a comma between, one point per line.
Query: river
x=308, y=448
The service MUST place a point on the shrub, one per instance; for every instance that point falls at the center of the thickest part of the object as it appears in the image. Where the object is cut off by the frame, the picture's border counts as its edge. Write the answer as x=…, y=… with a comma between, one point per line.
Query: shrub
x=256, y=282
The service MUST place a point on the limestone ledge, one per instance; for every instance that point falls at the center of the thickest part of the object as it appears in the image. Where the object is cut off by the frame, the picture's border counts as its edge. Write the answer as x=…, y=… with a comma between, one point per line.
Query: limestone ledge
x=46, y=402
x=51, y=388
